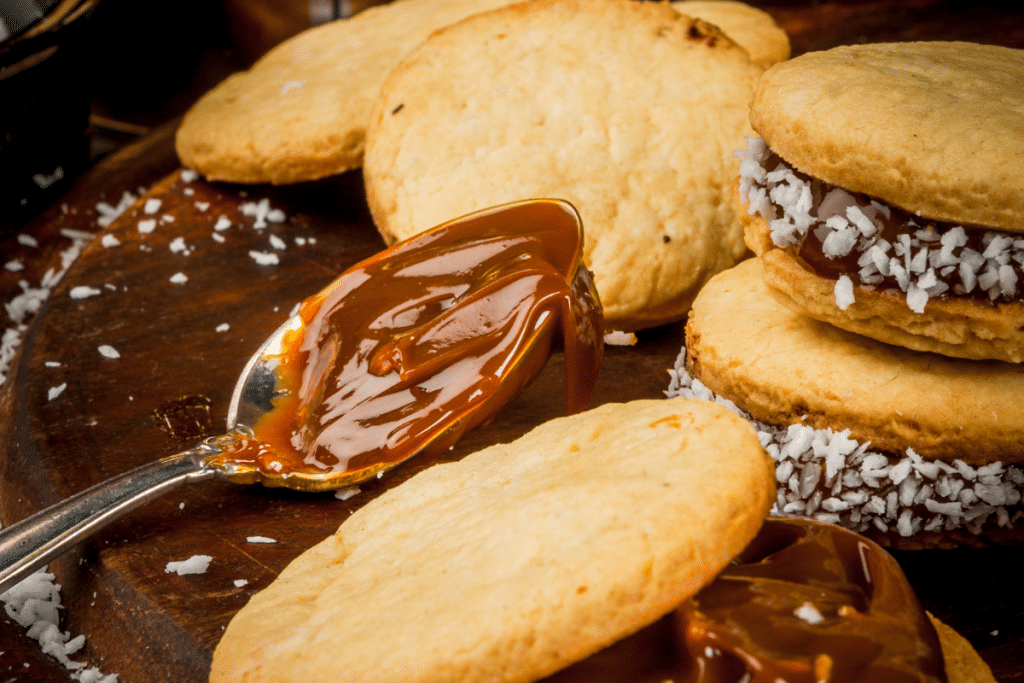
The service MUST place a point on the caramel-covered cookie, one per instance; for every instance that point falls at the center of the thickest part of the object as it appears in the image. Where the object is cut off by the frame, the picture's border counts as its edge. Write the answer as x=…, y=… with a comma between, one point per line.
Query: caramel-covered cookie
x=518, y=560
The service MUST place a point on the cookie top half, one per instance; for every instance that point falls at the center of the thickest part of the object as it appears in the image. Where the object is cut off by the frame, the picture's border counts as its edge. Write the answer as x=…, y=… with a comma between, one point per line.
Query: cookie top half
x=936, y=128
x=517, y=560
x=628, y=110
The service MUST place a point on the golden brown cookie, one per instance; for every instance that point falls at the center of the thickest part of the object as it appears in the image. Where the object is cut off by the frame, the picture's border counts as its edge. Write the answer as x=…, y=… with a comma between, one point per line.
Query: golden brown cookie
x=963, y=663
x=628, y=110
x=517, y=560
x=914, y=450
x=786, y=368
x=935, y=128
x=300, y=112
x=952, y=326
x=753, y=29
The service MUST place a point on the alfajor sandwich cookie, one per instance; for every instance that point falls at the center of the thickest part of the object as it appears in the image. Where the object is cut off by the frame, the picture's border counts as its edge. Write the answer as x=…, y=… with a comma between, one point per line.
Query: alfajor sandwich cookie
x=913, y=449
x=884, y=193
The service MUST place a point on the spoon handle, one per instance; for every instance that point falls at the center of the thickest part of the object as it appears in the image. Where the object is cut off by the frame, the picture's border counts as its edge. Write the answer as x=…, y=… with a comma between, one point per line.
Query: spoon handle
x=32, y=542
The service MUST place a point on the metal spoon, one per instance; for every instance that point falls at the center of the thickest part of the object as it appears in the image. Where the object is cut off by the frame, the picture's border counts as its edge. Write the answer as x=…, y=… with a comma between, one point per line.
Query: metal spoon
x=32, y=542
x=35, y=540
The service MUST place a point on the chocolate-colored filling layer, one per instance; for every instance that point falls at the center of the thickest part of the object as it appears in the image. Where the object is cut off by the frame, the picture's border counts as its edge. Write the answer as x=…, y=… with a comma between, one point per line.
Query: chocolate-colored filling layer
x=879, y=246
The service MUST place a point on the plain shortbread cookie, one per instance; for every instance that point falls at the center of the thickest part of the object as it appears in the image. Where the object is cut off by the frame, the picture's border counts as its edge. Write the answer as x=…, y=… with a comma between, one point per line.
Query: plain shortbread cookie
x=300, y=112
x=785, y=368
x=753, y=29
x=629, y=110
x=936, y=128
x=518, y=560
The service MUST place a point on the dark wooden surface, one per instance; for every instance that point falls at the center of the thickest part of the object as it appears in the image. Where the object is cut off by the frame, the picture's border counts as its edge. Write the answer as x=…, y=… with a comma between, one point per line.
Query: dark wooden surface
x=148, y=625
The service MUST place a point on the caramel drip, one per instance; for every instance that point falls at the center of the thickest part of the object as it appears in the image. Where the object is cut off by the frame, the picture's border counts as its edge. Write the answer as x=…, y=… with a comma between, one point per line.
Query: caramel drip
x=432, y=337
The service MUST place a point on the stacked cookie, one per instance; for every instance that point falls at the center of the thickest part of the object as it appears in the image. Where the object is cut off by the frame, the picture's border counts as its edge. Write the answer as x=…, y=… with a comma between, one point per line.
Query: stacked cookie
x=879, y=336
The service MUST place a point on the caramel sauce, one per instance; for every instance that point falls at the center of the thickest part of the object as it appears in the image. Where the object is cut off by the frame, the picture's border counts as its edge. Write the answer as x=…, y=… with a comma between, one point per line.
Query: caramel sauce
x=409, y=349
x=758, y=621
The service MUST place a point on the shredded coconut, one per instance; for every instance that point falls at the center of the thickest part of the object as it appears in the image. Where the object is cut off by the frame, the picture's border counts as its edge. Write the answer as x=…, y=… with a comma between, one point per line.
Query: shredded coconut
x=346, y=493
x=178, y=246
x=151, y=206
x=924, y=262
x=109, y=241
x=197, y=564
x=44, y=181
x=84, y=292
x=260, y=539
x=616, y=338
x=825, y=475
x=109, y=213
x=179, y=278
x=223, y=327
x=34, y=604
x=264, y=258
x=147, y=225
x=262, y=213
x=809, y=613
x=25, y=305
x=56, y=391
x=108, y=351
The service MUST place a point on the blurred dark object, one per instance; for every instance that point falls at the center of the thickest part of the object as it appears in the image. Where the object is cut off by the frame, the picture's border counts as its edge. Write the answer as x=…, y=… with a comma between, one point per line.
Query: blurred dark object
x=44, y=103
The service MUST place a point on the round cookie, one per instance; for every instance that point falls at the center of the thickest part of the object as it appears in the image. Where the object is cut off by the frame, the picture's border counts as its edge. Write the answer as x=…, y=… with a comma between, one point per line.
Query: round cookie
x=300, y=112
x=935, y=128
x=952, y=326
x=628, y=110
x=753, y=29
x=963, y=663
x=785, y=368
x=518, y=560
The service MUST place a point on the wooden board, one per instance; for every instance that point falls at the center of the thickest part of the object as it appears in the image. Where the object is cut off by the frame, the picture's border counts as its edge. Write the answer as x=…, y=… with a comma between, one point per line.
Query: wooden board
x=149, y=625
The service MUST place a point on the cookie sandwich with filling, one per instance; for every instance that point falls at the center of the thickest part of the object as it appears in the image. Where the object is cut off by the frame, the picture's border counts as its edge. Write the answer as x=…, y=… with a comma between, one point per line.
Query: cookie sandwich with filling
x=884, y=193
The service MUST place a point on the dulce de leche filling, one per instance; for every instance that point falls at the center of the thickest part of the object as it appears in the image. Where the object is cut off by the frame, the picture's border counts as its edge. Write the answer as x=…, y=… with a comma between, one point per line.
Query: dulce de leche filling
x=409, y=349
x=806, y=602
x=863, y=243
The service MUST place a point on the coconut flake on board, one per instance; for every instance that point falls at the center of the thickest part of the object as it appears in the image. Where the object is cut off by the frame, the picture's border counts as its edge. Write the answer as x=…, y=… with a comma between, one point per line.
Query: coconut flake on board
x=825, y=475
x=197, y=564
x=34, y=603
